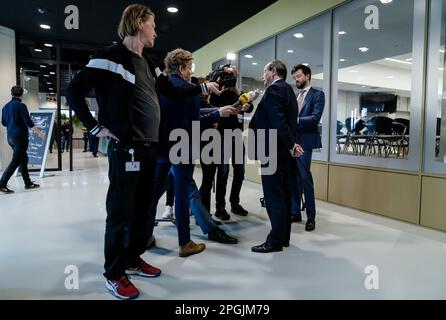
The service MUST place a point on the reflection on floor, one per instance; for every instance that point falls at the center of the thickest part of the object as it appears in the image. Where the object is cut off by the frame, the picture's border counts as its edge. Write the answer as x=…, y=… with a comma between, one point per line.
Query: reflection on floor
x=45, y=231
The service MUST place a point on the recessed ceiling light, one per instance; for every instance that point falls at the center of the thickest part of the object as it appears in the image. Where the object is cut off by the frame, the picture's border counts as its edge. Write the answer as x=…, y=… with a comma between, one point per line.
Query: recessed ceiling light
x=290, y=51
x=248, y=56
x=386, y=1
x=254, y=63
x=46, y=75
x=43, y=66
x=49, y=45
x=45, y=26
x=50, y=88
x=342, y=32
x=305, y=64
x=230, y=56
x=48, y=83
x=298, y=35
x=41, y=10
x=172, y=9
x=342, y=60
x=52, y=72
x=363, y=49
x=37, y=50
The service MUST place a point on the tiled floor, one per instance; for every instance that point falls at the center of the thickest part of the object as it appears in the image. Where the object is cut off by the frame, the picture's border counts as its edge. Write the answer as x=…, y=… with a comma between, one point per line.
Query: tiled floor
x=62, y=224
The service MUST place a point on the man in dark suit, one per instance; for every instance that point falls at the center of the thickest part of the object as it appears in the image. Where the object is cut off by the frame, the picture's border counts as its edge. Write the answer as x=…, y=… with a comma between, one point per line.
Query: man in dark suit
x=277, y=111
x=311, y=103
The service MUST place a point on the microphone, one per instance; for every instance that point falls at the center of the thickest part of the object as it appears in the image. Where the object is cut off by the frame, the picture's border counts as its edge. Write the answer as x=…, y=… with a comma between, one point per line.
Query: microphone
x=244, y=99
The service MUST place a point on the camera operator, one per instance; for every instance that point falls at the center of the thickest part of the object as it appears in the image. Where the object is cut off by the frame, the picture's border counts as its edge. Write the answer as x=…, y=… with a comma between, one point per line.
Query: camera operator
x=226, y=77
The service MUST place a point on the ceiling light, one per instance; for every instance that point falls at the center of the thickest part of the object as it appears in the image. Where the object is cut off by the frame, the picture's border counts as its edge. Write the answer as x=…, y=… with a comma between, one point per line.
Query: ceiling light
x=50, y=88
x=172, y=9
x=386, y=1
x=48, y=83
x=37, y=50
x=342, y=32
x=442, y=51
x=41, y=10
x=363, y=49
x=342, y=60
x=49, y=45
x=298, y=35
x=46, y=75
x=52, y=72
x=45, y=26
x=248, y=56
x=254, y=63
x=290, y=51
x=398, y=61
x=230, y=56
x=305, y=64
x=43, y=66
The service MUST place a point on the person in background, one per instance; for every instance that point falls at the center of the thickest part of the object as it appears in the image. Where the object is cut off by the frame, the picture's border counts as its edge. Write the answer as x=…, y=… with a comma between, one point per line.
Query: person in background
x=16, y=119
x=311, y=104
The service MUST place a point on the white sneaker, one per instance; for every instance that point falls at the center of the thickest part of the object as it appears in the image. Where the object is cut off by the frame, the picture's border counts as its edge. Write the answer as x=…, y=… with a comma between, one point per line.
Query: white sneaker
x=168, y=212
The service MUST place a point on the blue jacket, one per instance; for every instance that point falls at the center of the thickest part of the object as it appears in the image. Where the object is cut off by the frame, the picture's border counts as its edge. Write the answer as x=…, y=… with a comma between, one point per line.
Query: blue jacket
x=179, y=114
x=16, y=119
x=277, y=110
x=309, y=118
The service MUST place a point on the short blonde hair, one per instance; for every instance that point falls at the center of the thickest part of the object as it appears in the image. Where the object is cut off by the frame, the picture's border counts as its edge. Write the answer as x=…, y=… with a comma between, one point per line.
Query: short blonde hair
x=176, y=59
x=131, y=16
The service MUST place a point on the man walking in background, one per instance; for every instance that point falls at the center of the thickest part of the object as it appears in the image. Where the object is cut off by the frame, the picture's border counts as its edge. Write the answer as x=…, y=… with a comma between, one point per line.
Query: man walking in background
x=16, y=119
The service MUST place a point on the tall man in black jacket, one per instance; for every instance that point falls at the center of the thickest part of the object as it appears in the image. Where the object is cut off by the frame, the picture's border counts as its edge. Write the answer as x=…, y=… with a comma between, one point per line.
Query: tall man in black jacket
x=129, y=114
x=278, y=111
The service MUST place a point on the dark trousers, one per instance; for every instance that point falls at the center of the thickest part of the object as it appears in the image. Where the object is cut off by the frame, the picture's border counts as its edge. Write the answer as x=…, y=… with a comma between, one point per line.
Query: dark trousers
x=206, y=183
x=182, y=177
x=129, y=200
x=170, y=196
x=277, y=194
x=19, y=146
x=305, y=183
x=222, y=181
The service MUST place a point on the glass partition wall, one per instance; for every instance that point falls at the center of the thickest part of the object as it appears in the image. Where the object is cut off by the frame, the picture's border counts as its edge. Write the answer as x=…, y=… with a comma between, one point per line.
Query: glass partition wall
x=377, y=83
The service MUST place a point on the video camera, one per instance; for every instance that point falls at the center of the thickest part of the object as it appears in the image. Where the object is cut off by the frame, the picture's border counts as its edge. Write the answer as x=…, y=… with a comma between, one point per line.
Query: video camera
x=223, y=77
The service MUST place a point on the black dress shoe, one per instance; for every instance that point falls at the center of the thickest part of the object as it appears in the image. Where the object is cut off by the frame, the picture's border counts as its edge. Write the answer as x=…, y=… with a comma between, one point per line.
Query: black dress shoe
x=32, y=186
x=286, y=244
x=266, y=247
x=239, y=210
x=296, y=218
x=5, y=189
x=222, y=214
x=310, y=225
x=220, y=235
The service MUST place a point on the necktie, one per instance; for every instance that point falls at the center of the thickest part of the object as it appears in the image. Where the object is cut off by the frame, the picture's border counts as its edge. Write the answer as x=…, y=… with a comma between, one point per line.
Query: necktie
x=300, y=100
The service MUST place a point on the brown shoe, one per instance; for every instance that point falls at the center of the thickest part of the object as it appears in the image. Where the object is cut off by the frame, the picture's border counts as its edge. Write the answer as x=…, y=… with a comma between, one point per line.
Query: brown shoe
x=191, y=248
x=151, y=243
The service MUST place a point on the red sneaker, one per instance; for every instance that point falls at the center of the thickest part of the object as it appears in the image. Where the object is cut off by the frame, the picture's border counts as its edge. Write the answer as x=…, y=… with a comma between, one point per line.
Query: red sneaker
x=144, y=270
x=122, y=288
